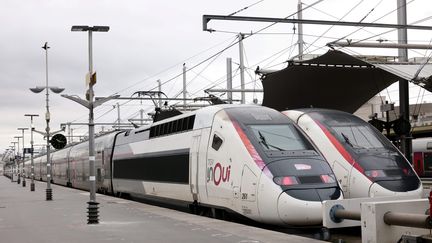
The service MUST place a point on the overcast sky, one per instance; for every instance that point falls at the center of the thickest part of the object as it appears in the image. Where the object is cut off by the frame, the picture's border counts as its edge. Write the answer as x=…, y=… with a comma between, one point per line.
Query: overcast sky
x=150, y=40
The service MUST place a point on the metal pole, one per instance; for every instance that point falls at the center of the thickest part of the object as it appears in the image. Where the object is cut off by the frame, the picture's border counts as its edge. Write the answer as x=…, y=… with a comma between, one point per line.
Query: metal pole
x=159, y=94
x=92, y=204
x=32, y=184
x=387, y=121
x=229, y=79
x=184, y=84
x=207, y=18
x=235, y=90
x=23, y=158
x=18, y=162
x=408, y=220
x=141, y=117
x=380, y=45
x=14, y=159
x=345, y=214
x=118, y=115
x=403, y=84
x=300, y=30
x=242, y=84
x=69, y=132
x=49, y=193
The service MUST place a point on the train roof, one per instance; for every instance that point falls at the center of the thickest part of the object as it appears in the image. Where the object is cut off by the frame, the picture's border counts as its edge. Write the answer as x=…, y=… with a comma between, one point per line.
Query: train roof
x=203, y=116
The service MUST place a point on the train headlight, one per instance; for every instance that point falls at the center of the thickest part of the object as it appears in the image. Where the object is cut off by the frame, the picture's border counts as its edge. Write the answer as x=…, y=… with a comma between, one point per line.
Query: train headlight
x=375, y=173
x=294, y=180
x=328, y=178
x=286, y=180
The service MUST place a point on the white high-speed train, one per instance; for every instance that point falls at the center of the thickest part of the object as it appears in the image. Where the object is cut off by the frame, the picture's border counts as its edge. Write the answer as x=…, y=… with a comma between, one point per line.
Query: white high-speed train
x=249, y=160
x=365, y=162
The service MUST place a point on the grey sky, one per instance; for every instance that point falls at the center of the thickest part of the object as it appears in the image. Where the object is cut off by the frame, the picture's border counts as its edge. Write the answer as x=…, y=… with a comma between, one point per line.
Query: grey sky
x=146, y=38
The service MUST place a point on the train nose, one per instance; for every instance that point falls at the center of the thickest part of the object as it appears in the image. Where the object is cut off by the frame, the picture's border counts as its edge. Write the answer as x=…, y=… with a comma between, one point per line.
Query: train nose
x=293, y=211
x=377, y=190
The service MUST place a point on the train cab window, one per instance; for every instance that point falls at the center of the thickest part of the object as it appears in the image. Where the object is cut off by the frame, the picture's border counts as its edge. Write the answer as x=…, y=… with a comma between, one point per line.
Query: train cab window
x=358, y=136
x=217, y=142
x=282, y=137
x=429, y=145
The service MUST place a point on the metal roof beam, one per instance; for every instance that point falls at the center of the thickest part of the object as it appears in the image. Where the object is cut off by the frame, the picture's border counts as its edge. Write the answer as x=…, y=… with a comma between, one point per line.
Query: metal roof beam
x=379, y=45
x=207, y=18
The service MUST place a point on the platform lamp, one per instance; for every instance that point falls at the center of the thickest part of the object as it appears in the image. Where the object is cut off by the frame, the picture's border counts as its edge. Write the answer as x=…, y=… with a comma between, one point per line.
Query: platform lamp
x=23, y=157
x=32, y=184
x=47, y=133
x=18, y=159
x=93, y=209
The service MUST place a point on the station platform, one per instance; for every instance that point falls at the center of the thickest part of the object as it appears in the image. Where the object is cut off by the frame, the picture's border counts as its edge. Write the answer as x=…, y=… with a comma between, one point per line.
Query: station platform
x=26, y=216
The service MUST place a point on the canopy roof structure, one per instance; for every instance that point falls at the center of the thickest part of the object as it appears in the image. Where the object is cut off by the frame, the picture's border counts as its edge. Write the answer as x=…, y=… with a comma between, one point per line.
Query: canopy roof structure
x=336, y=80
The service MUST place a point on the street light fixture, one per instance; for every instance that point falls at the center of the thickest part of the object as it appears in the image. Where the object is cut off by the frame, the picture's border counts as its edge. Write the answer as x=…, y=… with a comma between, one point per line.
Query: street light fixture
x=32, y=184
x=93, y=209
x=23, y=157
x=47, y=133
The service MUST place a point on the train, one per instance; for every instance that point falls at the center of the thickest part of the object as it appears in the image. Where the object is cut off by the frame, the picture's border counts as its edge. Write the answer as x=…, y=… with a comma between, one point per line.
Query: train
x=247, y=160
x=365, y=162
x=422, y=156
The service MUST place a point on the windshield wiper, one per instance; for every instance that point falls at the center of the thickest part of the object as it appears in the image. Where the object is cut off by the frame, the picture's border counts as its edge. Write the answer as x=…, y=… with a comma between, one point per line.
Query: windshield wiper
x=347, y=139
x=267, y=145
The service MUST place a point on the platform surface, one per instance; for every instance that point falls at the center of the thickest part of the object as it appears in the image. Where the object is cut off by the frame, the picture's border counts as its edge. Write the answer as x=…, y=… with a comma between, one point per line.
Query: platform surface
x=27, y=217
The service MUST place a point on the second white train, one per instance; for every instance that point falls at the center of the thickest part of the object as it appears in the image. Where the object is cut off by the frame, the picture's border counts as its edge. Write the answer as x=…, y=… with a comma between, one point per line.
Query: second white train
x=365, y=162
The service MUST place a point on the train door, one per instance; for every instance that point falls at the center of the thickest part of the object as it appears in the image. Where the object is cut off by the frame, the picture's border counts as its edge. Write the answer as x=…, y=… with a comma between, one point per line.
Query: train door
x=222, y=155
x=194, y=164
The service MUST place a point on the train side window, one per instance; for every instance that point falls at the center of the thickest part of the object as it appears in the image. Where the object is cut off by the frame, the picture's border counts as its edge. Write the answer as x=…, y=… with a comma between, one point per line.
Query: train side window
x=429, y=145
x=217, y=142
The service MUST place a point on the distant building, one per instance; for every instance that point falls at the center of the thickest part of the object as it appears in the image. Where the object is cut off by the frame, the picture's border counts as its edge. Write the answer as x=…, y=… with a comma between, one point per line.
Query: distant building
x=420, y=115
x=372, y=108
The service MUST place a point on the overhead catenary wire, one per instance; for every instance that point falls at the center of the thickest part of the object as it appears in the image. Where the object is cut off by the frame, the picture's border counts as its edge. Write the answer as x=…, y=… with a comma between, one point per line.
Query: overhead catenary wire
x=241, y=10
x=385, y=15
x=208, y=60
x=340, y=19
x=361, y=28
x=205, y=60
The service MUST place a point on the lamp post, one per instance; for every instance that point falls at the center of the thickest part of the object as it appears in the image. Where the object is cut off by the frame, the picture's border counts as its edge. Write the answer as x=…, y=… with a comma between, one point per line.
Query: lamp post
x=47, y=133
x=23, y=157
x=93, y=209
x=18, y=159
x=14, y=159
x=32, y=185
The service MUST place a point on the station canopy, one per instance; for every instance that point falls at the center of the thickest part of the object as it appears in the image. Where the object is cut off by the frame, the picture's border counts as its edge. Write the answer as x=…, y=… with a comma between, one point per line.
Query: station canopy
x=336, y=80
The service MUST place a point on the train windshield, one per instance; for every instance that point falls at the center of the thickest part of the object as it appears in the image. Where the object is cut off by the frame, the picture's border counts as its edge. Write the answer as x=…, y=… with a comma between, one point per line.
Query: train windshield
x=358, y=136
x=282, y=137
x=352, y=131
